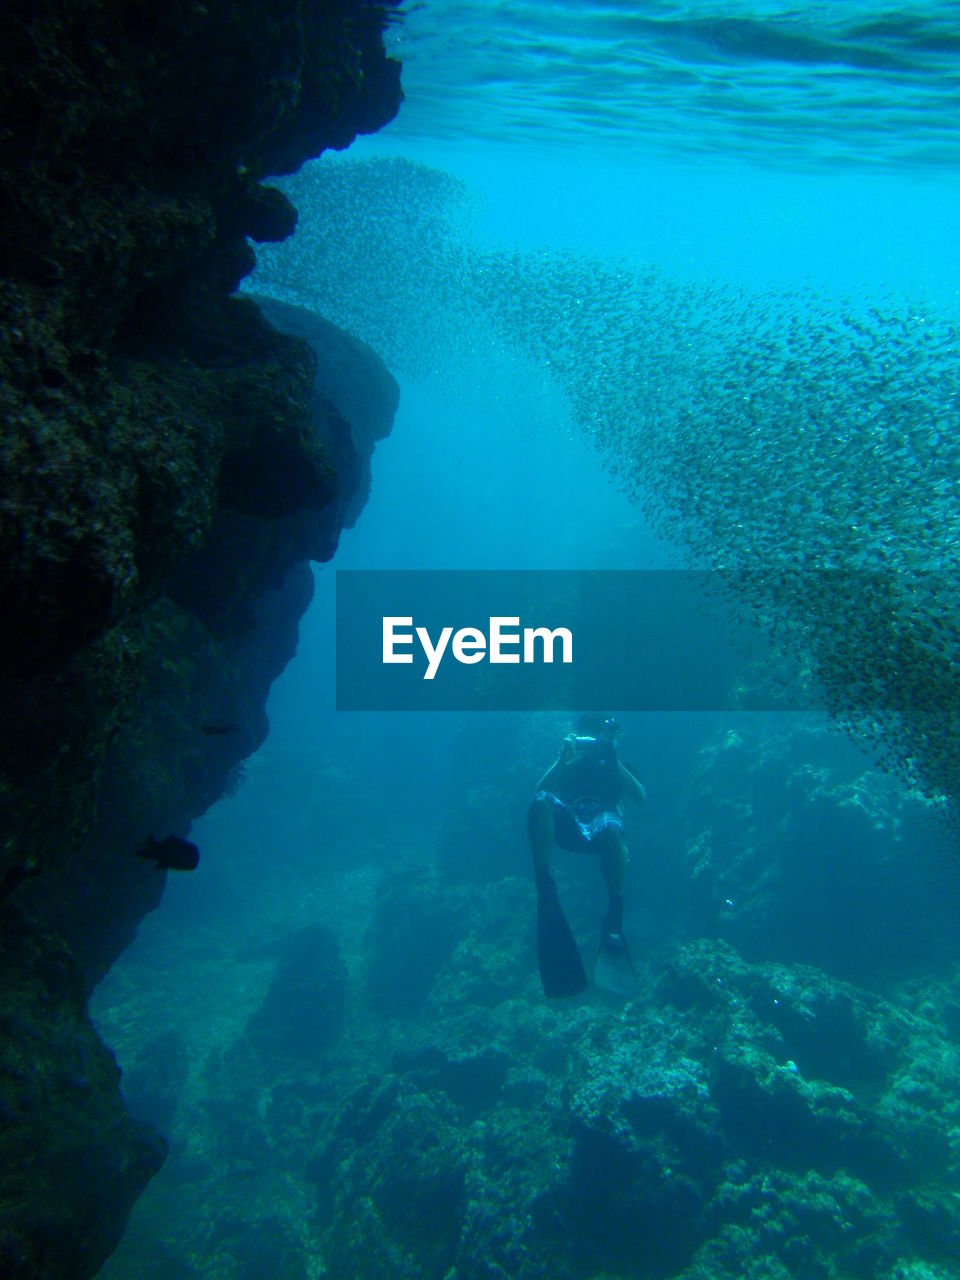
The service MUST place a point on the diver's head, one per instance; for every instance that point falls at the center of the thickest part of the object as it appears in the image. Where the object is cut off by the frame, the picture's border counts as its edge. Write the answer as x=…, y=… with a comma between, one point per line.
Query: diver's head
x=596, y=724
x=609, y=730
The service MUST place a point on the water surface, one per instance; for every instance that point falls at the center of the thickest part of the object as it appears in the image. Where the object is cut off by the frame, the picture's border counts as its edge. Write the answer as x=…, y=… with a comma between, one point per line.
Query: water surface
x=823, y=84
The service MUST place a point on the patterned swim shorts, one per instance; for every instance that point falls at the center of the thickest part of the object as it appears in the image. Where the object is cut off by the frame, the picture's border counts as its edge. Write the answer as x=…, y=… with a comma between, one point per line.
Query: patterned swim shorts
x=576, y=826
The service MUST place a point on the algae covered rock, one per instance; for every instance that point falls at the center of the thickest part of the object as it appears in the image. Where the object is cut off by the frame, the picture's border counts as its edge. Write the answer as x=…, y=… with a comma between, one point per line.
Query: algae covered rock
x=646, y=1146
x=414, y=929
x=401, y=1201
x=736, y=1120
x=472, y=1081
x=73, y=1160
x=352, y=378
x=303, y=1011
x=154, y=1085
x=168, y=464
x=797, y=849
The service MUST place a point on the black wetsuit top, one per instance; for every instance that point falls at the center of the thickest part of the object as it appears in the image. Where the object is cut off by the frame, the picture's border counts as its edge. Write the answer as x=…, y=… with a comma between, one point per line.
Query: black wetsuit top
x=591, y=780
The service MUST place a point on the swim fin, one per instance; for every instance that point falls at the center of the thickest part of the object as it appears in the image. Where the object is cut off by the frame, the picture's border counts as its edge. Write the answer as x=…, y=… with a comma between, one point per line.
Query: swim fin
x=613, y=969
x=561, y=969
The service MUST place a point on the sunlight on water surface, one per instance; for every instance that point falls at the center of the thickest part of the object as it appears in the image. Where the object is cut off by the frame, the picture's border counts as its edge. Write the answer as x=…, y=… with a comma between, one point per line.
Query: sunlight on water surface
x=811, y=84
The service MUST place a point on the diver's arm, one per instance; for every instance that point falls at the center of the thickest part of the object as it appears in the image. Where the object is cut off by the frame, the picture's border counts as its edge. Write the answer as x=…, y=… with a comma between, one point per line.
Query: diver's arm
x=552, y=776
x=633, y=789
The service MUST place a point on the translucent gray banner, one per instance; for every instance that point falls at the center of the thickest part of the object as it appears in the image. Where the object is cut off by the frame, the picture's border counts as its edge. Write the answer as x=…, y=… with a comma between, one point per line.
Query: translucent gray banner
x=643, y=640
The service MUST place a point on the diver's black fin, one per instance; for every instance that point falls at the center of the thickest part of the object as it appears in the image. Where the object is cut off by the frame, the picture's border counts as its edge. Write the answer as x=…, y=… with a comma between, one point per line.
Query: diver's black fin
x=613, y=970
x=561, y=969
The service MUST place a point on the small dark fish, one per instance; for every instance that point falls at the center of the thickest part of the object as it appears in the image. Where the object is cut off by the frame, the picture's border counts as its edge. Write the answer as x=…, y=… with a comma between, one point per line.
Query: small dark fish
x=171, y=853
x=216, y=728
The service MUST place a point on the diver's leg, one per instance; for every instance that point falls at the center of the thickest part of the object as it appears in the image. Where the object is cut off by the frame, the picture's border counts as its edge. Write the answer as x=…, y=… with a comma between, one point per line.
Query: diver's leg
x=613, y=970
x=613, y=863
x=540, y=827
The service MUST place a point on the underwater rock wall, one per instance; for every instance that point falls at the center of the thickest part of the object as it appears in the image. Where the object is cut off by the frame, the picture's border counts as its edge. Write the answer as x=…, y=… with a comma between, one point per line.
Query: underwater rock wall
x=168, y=462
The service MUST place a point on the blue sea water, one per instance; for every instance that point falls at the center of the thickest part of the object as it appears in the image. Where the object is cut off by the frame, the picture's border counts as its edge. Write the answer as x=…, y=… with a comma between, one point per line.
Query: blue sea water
x=752, y=157
x=834, y=83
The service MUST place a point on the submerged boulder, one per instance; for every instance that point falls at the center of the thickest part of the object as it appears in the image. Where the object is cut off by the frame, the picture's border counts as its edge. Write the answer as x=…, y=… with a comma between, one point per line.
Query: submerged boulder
x=303, y=1011
x=414, y=930
x=155, y=1083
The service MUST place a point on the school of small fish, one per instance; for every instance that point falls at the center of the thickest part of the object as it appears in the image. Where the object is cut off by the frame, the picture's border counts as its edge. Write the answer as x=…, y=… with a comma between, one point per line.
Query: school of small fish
x=811, y=440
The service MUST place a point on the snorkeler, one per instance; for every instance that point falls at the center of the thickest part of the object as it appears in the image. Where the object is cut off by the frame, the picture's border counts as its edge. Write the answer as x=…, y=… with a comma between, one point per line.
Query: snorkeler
x=578, y=805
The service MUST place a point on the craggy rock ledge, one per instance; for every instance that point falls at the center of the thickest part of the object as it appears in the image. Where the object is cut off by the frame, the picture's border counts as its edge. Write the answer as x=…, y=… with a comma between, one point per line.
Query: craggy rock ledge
x=168, y=462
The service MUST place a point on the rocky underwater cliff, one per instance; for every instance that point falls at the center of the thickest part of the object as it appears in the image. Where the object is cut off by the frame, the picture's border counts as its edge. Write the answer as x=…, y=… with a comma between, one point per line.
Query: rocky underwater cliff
x=171, y=456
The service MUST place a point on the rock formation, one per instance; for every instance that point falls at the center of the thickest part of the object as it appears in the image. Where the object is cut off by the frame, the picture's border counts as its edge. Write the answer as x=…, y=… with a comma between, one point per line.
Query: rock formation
x=168, y=462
